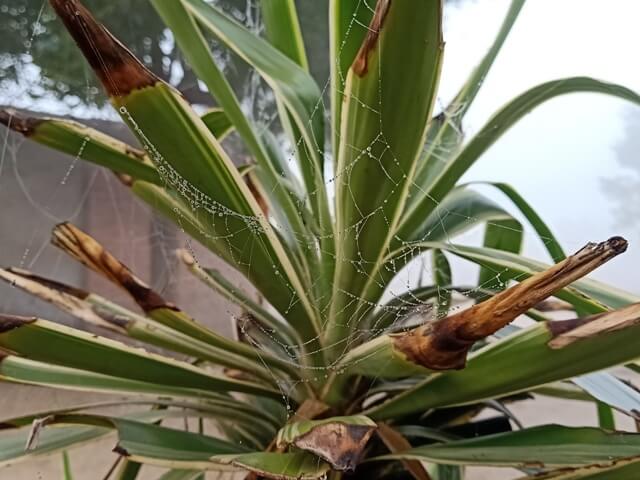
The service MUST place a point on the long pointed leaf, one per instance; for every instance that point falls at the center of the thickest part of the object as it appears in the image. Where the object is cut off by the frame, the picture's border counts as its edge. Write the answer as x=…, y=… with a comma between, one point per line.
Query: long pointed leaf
x=446, y=131
x=291, y=83
x=590, y=295
x=548, y=445
x=93, y=255
x=208, y=181
x=83, y=142
x=505, y=235
x=348, y=20
x=217, y=281
x=444, y=344
x=496, y=126
x=196, y=50
x=44, y=341
x=525, y=360
x=403, y=48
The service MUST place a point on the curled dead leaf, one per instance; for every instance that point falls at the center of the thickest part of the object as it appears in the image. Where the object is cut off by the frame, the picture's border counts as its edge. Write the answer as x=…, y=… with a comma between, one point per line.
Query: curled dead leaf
x=90, y=253
x=444, y=344
x=338, y=443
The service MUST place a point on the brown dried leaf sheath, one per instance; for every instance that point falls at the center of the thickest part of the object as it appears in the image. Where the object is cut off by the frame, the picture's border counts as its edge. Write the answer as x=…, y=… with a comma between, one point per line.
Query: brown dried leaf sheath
x=567, y=332
x=48, y=283
x=118, y=69
x=89, y=252
x=443, y=345
x=338, y=443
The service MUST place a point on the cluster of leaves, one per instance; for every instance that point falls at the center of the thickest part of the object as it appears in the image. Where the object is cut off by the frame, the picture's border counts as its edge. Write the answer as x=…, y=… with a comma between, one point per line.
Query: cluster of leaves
x=325, y=377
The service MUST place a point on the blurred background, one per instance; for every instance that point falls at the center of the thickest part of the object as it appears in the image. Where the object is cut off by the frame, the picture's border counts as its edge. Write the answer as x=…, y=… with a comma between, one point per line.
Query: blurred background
x=575, y=158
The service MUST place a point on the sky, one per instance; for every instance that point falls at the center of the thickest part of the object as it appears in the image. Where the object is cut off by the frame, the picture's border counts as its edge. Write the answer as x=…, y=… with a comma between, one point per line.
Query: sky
x=558, y=154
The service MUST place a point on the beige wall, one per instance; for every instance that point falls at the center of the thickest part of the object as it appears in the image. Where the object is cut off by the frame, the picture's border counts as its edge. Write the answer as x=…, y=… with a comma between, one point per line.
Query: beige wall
x=39, y=188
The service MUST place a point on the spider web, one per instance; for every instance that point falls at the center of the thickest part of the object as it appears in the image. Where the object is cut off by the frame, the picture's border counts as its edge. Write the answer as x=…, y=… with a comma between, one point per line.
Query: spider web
x=120, y=221
x=258, y=102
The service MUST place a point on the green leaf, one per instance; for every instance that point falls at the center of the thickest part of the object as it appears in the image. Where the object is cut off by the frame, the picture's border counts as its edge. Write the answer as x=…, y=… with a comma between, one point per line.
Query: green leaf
x=445, y=343
x=172, y=208
x=505, y=235
x=66, y=466
x=403, y=48
x=445, y=133
x=178, y=449
x=128, y=470
x=625, y=469
x=217, y=281
x=545, y=446
x=422, y=433
x=156, y=444
x=525, y=360
x=218, y=123
x=545, y=234
x=171, y=132
x=494, y=129
x=565, y=390
x=461, y=210
x=50, y=440
x=467, y=94
x=207, y=343
x=446, y=472
x=169, y=206
x=589, y=294
x=286, y=466
x=442, y=280
x=181, y=475
x=291, y=83
x=195, y=48
x=243, y=224
x=22, y=370
x=96, y=310
x=283, y=29
x=605, y=416
x=351, y=434
x=45, y=341
x=194, y=402
x=348, y=21
x=412, y=302
x=167, y=446
x=80, y=141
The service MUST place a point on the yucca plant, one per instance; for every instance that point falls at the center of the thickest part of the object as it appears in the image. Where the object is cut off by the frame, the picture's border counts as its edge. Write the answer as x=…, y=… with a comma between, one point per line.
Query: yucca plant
x=326, y=376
